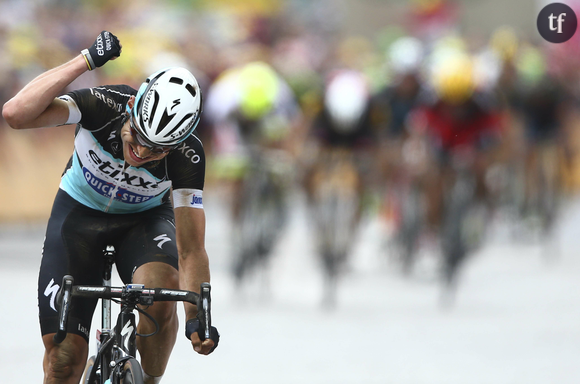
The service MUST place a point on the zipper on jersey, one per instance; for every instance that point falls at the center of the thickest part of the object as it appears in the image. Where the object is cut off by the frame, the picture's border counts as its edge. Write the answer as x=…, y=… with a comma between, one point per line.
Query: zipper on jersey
x=116, y=188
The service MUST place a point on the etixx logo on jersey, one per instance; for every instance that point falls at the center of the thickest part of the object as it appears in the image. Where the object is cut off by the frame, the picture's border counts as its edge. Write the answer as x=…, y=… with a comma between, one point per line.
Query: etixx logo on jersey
x=557, y=23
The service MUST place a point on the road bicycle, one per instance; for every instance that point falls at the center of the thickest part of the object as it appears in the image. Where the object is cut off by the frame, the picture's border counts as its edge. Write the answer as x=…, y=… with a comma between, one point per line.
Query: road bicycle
x=411, y=208
x=336, y=212
x=263, y=213
x=407, y=196
x=464, y=221
x=115, y=361
x=544, y=193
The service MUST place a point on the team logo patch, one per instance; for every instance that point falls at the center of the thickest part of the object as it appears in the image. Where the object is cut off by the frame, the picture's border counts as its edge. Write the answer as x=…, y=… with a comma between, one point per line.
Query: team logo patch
x=197, y=200
x=106, y=189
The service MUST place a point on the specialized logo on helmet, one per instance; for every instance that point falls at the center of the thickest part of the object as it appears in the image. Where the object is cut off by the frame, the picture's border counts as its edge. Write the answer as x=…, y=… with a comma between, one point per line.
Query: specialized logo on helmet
x=184, y=129
x=147, y=102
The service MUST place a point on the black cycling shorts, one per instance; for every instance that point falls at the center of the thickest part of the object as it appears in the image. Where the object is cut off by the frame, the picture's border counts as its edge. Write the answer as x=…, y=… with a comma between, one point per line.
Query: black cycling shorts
x=75, y=239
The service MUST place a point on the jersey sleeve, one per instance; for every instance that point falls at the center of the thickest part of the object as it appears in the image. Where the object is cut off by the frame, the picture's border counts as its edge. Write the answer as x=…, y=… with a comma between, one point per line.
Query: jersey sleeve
x=99, y=106
x=186, y=165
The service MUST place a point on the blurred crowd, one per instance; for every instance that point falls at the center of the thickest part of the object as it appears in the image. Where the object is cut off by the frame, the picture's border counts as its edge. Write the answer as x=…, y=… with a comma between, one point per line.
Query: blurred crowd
x=401, y=100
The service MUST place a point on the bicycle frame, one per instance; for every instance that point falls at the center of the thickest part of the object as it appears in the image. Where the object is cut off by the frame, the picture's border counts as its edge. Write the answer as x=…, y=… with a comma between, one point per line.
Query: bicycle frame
x=117, y=345
x=105, y=333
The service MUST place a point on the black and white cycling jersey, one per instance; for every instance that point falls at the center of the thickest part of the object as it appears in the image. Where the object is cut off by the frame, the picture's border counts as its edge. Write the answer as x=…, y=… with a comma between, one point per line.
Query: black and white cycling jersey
x=97, y=175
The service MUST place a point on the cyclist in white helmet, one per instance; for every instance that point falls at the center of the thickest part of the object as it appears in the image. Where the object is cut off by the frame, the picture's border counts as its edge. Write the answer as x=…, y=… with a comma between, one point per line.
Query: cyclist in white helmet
x=338, y=161
x=134, y=181
x=167, y=107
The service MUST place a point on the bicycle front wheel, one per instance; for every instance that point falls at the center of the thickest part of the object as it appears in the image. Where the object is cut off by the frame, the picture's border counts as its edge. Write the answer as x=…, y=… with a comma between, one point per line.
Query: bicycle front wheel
x=132, y=372
x=87, y=379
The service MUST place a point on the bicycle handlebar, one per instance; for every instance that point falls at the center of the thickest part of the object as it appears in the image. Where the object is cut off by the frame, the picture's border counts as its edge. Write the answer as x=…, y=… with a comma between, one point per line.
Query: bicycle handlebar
x=144, y=296
x=63, y=302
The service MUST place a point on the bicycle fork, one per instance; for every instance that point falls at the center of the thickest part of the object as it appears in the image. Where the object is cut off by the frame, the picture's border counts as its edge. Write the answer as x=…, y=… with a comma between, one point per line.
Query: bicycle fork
x=105, y=333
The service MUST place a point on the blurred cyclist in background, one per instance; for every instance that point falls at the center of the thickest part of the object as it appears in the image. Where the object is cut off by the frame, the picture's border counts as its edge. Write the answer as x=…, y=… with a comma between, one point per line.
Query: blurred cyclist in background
x=339, y=159
x=543, y=105
x=135, y=181
x=504, y=46
x=253, y=113
x=343, y=123
x=497, y=75
x=391, y=105
x=457, y=119
x=390, y=109
x=463, y=128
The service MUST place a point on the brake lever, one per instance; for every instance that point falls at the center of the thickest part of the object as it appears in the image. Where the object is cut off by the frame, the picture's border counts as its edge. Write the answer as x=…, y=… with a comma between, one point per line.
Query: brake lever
x=63, y=303
x=204, y=310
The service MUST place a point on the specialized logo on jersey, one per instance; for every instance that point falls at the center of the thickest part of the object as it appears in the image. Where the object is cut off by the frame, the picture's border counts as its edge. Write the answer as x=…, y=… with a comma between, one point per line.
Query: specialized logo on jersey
x=50, y=291
x=162, y=239
x=115, y=146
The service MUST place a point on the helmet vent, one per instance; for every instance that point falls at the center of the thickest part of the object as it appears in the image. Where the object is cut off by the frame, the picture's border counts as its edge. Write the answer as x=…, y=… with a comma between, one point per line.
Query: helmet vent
x=176, y=80
x=154, y=108
x=191, y=90
x=165, y=119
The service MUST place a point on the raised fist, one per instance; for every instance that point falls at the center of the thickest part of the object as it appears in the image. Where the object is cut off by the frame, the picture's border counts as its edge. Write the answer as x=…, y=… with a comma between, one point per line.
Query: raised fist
x=106, y=47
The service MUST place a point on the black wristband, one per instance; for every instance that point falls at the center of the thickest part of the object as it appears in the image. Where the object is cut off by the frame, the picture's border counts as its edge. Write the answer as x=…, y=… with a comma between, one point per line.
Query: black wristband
x=105, y=47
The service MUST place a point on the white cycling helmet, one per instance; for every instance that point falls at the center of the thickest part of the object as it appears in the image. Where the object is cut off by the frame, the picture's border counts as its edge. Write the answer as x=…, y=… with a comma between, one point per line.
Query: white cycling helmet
x=167, y=107
x=405, y=55
x=345, y=99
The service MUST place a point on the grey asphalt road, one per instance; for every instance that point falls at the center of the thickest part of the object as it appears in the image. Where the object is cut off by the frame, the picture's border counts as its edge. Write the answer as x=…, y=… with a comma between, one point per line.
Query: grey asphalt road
x=516, y=318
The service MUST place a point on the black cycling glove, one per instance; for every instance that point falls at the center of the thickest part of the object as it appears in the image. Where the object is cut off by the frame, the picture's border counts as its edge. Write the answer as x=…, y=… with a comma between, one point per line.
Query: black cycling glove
x=193, y=325
x=105, y=48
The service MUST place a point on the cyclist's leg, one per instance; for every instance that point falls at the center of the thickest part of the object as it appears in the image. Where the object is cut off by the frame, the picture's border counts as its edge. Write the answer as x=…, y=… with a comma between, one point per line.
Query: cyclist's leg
x=64, y=363
x=148, y=255
x=69, y=248
x=155, y=350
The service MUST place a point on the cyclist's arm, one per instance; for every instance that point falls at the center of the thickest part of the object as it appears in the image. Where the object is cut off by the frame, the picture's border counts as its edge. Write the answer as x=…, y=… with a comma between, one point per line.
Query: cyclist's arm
x=193, y=260
x=36, y=105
